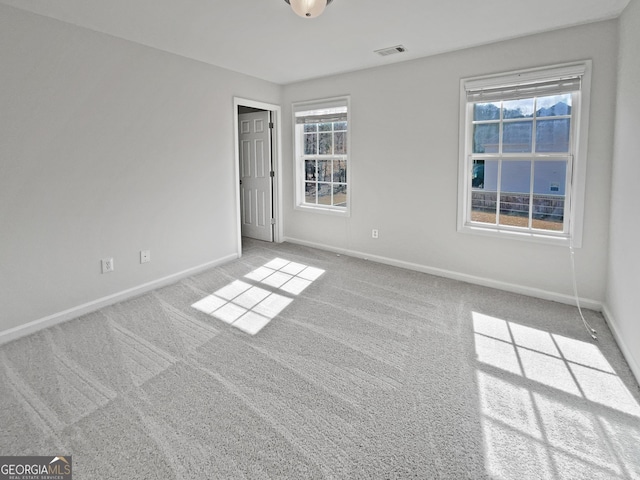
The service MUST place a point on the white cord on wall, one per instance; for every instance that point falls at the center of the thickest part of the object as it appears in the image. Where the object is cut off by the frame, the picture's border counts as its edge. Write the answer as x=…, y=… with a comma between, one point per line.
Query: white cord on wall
x=589, y=328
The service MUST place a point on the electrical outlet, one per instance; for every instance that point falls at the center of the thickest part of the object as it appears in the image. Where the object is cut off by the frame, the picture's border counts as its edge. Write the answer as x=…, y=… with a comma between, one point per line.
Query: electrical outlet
x=374, y=233
x=145, y=256
x=107, y=265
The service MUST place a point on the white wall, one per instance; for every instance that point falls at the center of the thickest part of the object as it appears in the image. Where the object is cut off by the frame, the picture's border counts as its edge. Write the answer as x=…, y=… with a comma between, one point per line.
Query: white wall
x=623, y=289
x=106, y=148
x=405, y=163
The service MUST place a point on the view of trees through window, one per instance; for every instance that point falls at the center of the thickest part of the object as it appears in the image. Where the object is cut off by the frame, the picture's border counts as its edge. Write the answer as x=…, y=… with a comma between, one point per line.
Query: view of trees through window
x=325, y=163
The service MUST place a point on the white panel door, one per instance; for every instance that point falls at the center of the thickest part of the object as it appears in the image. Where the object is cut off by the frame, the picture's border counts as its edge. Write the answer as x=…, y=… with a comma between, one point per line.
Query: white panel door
x=255, y=175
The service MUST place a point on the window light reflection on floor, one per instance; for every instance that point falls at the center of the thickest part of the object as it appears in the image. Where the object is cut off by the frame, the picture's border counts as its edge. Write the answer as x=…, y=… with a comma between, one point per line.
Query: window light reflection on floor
x=249, y=307
x=567, y=364
x=290, y=277
x=529, y=434
x=534, y=390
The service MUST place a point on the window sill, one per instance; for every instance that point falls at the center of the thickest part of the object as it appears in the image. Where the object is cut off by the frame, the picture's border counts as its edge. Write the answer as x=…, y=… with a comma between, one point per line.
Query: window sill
x=559, y=240
x=323, y=211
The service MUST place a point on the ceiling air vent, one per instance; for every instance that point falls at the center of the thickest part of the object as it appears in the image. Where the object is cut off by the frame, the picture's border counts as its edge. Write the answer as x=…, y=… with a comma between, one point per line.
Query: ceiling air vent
x=383, y=52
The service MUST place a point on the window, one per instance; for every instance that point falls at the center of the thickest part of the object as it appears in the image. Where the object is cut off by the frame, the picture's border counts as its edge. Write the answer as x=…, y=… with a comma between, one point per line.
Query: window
x=521, y=148
x=321, y=146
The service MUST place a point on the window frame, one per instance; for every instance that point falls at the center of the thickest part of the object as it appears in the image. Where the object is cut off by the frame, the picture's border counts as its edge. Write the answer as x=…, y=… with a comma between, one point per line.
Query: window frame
x=299, y=157
x=577, y=155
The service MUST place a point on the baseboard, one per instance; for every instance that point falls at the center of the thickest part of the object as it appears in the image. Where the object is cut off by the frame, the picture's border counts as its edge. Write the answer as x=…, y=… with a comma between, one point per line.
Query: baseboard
x=74, y=312
x=485, y=282
x=627, y=352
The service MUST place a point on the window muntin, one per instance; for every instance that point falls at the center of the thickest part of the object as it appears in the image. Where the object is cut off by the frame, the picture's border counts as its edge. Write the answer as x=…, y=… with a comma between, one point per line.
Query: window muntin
x=321, y=146
x=520, y=153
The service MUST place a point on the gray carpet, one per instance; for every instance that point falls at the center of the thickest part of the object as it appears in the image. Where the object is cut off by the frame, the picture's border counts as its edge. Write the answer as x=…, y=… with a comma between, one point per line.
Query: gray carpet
x=323, y=366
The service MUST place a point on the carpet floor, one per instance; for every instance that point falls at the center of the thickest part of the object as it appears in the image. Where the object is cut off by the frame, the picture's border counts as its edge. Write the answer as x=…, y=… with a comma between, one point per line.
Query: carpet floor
x=298, y=363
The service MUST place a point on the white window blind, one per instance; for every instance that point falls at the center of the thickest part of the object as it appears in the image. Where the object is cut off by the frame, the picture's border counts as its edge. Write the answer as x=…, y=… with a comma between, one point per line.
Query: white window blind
x=536, y=83
x=324, y=115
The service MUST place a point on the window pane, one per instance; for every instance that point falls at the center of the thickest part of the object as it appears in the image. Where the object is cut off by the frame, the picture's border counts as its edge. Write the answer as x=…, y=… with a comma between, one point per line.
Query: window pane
x=340, y=126
x=310, y=192
x=549, y=180
x=324, y=170
x=340, y=171
x=554, y=105
x=325, y=144
x=310, y=170
x=325, y=127
x=552, y=135
x=340, y=143
x=549, y=177
x=515, y=188
x=340, y=195
x=477, y=174
x=518, y=108
x=516, y=137
x=324, y=194
x=310, y=127
x=310, y=144
x=486, y=111
x=486, y=138
x=484, y=180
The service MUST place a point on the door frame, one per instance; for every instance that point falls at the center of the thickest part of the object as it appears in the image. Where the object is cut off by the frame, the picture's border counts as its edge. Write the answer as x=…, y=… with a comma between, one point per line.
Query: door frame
x=276, y=165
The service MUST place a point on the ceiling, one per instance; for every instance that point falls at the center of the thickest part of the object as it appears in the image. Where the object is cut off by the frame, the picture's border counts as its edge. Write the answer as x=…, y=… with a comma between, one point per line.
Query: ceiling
x=265, y=39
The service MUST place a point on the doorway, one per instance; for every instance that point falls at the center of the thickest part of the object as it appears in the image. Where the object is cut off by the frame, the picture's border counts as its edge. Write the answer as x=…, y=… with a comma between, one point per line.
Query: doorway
x=257, y=146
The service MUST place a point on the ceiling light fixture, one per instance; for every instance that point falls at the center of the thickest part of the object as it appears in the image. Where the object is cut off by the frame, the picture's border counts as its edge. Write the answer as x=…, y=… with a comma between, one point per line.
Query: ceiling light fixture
x=308, y=8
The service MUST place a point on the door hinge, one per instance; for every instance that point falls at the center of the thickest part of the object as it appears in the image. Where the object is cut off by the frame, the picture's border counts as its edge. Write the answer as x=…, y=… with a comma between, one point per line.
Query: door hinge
x=270, y=124
x=273, y=221
x=272, y=174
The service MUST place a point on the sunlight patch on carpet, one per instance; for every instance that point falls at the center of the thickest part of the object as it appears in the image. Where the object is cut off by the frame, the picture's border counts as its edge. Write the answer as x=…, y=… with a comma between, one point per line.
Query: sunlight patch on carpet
x=531, y=426
x=249, y=307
